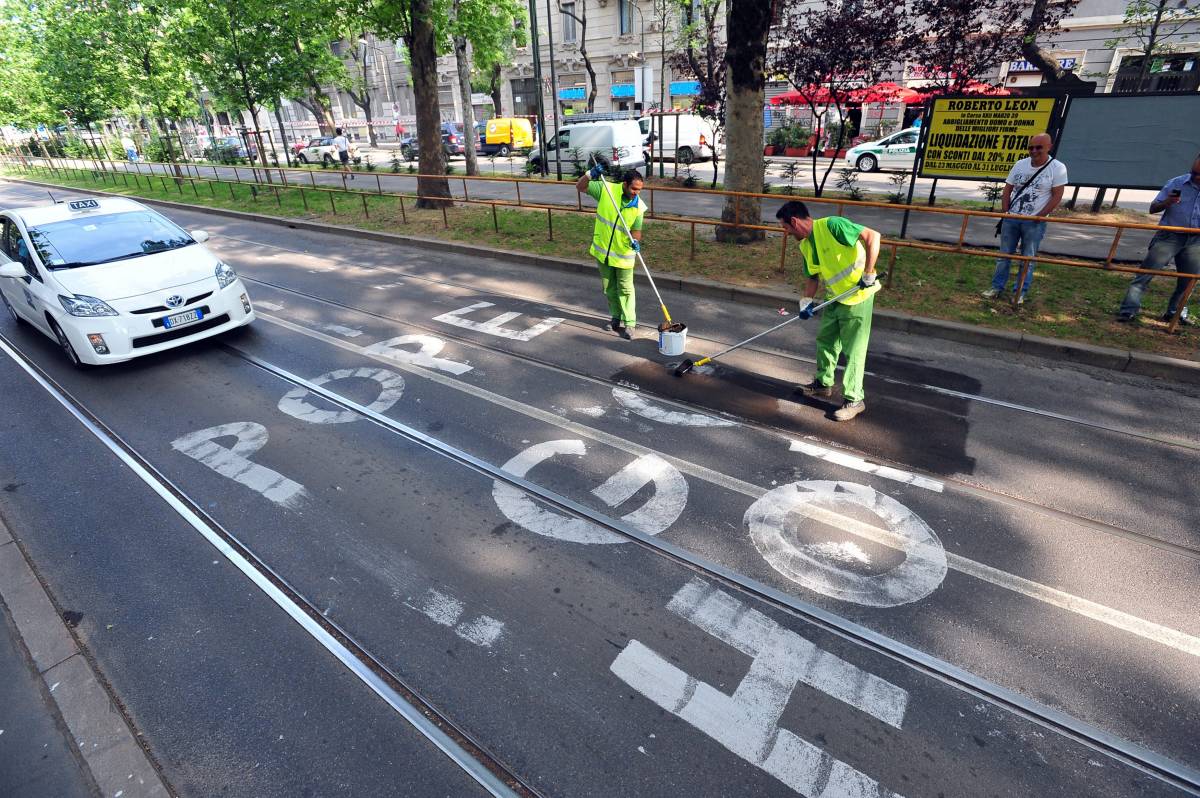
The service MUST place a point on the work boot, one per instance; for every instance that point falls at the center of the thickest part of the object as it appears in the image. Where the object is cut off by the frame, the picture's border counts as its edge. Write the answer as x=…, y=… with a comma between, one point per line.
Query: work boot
x=625, y=332
x=814, y=389
x=849, y=410
x=615, y=323
x=1126, y=318
x=991, y=293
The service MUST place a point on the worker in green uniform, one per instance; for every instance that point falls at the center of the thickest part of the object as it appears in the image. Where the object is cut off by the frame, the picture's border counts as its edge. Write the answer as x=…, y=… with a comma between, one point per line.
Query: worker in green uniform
x=841, y=254
x=612, y=247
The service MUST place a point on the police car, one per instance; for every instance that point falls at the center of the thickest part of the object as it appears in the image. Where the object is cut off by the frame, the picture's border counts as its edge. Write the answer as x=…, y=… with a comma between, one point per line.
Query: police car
x=111, y=280
x=897, y=151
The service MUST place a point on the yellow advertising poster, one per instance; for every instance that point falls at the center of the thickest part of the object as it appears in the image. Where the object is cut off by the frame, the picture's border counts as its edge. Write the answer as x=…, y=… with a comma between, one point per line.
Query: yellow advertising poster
x=982, y=137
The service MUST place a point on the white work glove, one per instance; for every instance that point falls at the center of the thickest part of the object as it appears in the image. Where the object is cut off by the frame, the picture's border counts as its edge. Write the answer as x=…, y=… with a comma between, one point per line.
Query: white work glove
x=806, y=308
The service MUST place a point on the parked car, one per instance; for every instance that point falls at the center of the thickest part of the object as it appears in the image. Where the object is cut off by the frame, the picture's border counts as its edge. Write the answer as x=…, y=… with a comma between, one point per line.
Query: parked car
x=452, y=142
x=321, y=150
x=503, y=135
x=229, y=147
x=689, y=137
x=110, y=279
x=300, y=144
x=897, y=151
x=613, y=143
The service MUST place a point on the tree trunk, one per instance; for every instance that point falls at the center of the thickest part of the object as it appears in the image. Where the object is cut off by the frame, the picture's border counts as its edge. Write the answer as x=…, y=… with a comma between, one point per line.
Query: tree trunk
x=1151, y=41
x=462, y=61
x=363, y=101
x=747, y=23
x=287, y=147
x=495, y=91
x=1053, y=74
x=433, y=187
x=320, y=112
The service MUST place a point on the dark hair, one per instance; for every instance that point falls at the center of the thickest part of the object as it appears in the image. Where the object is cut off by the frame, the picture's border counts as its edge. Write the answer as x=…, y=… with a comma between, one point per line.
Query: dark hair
x=792, y=209
x=631, y=175
x=337, y=130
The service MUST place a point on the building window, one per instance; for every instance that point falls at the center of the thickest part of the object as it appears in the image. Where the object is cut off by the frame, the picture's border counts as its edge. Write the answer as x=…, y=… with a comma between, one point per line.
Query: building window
x=626, y=16
x=568, y=22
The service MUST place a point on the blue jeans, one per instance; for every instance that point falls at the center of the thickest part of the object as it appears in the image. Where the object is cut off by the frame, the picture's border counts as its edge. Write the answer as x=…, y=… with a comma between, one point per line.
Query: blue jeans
x=1013, y=232
x=1185, y=249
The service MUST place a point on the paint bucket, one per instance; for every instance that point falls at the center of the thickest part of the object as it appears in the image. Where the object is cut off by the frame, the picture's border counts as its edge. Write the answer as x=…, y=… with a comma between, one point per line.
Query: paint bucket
x=672, y=339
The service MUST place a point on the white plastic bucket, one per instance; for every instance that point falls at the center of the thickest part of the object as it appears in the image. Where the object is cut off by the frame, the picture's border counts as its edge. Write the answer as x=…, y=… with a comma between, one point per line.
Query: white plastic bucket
x=672, y=343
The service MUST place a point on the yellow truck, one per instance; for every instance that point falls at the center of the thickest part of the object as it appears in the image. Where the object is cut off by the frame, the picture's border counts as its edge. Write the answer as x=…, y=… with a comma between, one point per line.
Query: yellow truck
x=505, y=134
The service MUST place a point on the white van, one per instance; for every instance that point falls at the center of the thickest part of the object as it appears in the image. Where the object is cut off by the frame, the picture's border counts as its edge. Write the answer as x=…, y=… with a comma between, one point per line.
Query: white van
x=693, y=140
x=613, y=143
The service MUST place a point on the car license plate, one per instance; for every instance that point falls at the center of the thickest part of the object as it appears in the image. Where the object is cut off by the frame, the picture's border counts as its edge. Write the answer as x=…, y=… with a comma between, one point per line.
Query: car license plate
x=180, y=319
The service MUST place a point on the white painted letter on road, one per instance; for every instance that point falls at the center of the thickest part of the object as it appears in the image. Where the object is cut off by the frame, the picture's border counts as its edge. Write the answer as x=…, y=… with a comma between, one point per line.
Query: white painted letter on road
x=235, y=463
x=821, y=567
x=657, y=514
x=636, y=403
x=423, y=357
x=295, y=402
x=746, y=722
x=496, y=326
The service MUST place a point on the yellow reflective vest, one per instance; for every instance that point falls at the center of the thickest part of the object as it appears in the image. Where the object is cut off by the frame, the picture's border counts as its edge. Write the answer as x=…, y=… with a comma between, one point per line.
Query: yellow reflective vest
x=838, y=266
x=610, y=243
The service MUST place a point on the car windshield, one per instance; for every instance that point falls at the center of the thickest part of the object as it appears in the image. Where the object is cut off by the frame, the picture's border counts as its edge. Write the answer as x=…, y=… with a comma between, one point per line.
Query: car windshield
x=90, y=240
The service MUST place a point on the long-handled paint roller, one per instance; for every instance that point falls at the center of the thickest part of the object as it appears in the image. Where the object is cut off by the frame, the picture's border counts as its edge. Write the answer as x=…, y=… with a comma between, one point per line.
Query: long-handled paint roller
x=688, y=365
x=641, y=260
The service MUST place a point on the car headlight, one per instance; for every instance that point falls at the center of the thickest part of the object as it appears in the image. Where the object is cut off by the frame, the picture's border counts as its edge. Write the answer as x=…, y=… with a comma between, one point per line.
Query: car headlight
x=79, y=305
x=225, y=274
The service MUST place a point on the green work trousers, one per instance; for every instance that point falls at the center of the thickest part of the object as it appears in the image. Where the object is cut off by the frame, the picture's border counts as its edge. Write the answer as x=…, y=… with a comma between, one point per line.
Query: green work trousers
x=618, y=287
x=845, y=329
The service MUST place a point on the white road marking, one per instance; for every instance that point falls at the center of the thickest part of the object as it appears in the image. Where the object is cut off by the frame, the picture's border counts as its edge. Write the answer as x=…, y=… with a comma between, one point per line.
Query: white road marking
x=496, y=326
x=859, y=464
x=1116, y=619
x=429, y=345
x=391, y=387
x=632, y=401
x=446, y=610
x=235, y=463
x=919, y=574
x=746, y=722
x=259, y=303
x=349, y=332
x=657, y=514
x=386, y=286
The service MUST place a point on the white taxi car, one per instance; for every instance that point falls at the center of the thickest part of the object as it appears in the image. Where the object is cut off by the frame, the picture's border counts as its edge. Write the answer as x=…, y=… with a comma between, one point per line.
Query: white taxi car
x=111, y=280
x=897, y=151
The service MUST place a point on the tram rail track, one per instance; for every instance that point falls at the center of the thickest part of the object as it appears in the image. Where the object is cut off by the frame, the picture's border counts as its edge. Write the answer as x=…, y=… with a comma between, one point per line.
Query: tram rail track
x=964, y=486
x=435, y=724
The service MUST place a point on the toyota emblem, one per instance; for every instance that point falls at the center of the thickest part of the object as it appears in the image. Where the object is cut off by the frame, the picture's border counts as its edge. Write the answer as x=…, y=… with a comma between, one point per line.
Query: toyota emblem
x=174, y=301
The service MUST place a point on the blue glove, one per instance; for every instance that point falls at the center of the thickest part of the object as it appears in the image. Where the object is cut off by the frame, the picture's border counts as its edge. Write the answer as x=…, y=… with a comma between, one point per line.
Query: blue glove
x=595, y=172
x=806, y=312
x=637, y=245
x=867, y=280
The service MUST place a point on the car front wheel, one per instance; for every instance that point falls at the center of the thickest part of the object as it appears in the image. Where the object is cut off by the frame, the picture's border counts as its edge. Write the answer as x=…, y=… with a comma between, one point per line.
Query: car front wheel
x=328, y=160
x=867, y=163
x=65, y=344
x=408, y=153
x=302, y=158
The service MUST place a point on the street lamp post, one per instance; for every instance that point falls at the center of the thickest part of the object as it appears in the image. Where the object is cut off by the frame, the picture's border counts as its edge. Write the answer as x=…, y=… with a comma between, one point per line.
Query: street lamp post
x=553, y=82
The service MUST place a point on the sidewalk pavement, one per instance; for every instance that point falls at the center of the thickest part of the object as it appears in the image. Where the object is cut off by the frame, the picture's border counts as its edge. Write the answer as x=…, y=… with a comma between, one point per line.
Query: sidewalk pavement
x=61, y=736
x=36, y=756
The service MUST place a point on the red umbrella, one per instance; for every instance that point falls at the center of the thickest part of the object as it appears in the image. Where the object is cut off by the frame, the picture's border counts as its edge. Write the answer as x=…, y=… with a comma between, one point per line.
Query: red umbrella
x=887, y=92
x=818, y=95
x=971, y=87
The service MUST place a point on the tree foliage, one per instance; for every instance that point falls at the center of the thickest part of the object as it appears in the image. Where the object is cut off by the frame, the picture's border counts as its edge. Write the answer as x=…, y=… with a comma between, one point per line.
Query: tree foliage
x=1153, y=27
x=829, y=50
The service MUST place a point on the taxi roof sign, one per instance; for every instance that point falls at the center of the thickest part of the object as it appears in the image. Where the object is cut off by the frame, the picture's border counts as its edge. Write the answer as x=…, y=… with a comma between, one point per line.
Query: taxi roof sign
x=83, y=204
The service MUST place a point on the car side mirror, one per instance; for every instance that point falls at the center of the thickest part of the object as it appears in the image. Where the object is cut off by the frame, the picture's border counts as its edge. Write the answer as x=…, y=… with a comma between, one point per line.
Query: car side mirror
x=12, y=269
x=200, y=236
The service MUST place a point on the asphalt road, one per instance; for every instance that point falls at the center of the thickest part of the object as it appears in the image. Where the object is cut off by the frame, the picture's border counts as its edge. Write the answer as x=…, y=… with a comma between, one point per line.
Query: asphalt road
x=615, y=581
x=934, y=225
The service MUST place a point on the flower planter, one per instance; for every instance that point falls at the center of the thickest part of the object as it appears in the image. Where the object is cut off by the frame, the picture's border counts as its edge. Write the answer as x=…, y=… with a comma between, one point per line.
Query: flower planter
x=769, y=150
x=832, y=153
x=795, y=152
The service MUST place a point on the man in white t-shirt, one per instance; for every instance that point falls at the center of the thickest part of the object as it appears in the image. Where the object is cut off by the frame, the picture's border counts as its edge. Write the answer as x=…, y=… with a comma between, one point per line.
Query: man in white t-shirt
x=342, y=145
x=1033, y=188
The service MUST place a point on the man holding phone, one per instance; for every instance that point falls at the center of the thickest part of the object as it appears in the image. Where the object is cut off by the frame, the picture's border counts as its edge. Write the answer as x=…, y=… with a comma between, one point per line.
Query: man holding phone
x=1179, y=203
